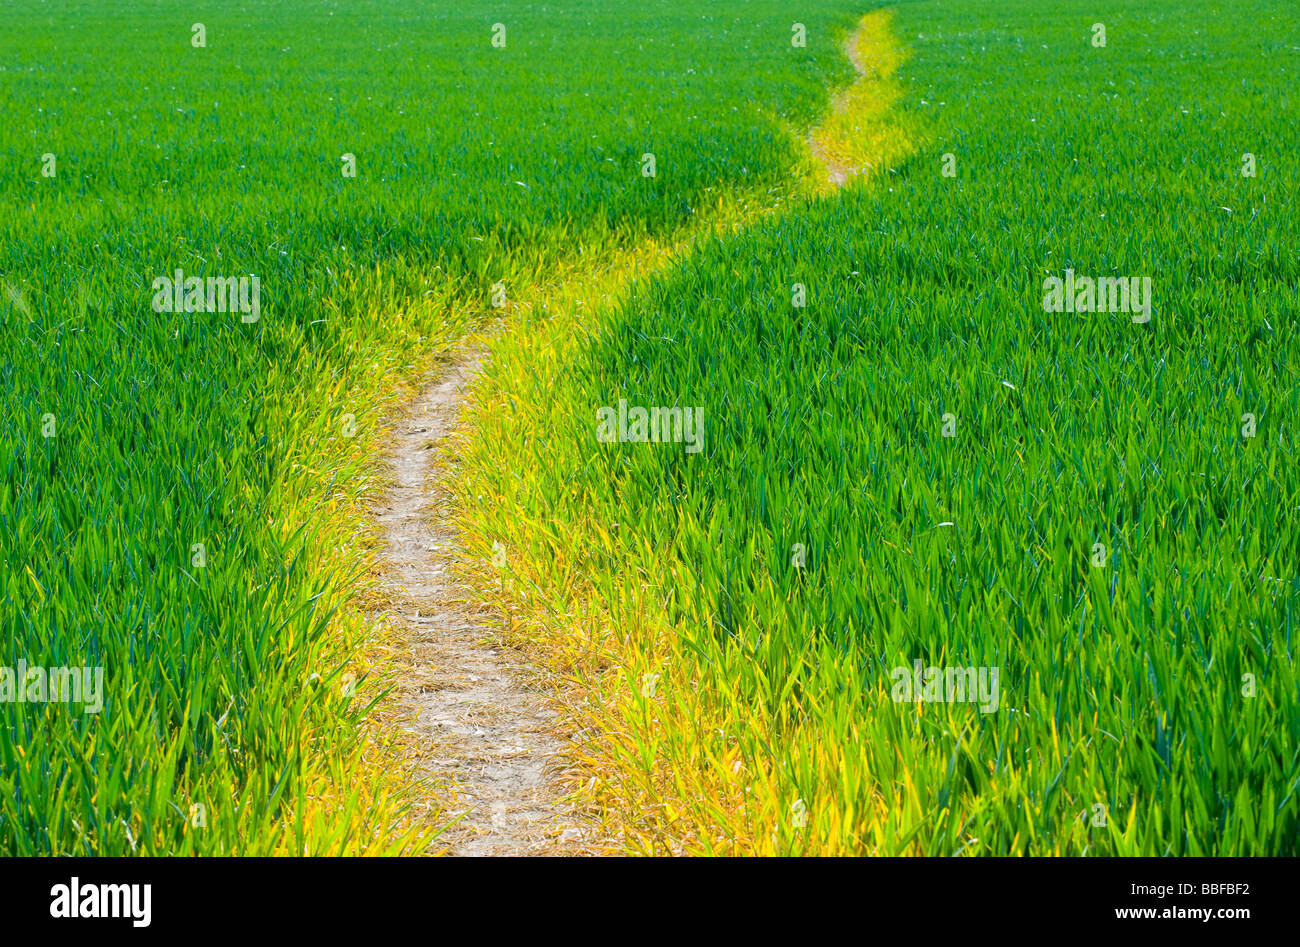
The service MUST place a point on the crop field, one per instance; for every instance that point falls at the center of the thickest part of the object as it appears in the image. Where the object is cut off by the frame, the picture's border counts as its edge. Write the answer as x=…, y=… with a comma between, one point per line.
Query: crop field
x=884, y=443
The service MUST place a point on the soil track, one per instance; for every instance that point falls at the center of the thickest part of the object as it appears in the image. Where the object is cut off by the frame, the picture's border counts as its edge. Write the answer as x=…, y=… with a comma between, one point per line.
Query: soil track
x=484, y=732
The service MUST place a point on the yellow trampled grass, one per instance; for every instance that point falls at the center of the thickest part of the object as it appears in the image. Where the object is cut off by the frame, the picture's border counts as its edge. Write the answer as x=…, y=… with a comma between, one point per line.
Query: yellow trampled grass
x=861, y=133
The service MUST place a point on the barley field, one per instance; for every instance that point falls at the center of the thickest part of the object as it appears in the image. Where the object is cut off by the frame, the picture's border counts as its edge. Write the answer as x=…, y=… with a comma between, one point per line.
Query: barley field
x=885, y=441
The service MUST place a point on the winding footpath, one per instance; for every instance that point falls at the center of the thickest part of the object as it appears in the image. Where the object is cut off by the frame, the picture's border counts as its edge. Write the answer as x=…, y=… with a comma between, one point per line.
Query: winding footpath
x=485, y=737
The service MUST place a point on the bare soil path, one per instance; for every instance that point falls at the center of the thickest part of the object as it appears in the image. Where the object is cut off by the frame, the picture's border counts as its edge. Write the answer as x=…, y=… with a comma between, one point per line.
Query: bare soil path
x=480, y=717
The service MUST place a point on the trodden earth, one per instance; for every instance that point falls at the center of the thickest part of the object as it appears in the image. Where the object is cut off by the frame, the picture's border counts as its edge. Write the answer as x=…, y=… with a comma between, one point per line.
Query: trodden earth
x=479, y=715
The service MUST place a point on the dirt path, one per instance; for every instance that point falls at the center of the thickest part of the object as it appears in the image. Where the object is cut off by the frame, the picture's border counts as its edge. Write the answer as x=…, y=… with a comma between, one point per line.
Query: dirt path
x=859, y=100
x=839, y=171
x=483, y=732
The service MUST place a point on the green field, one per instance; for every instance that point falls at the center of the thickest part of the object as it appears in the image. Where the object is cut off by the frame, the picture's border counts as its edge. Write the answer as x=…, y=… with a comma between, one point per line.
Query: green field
x=827, y=533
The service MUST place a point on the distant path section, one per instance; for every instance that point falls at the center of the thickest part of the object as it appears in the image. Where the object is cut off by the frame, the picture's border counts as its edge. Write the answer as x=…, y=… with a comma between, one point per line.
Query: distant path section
x=860, y=133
